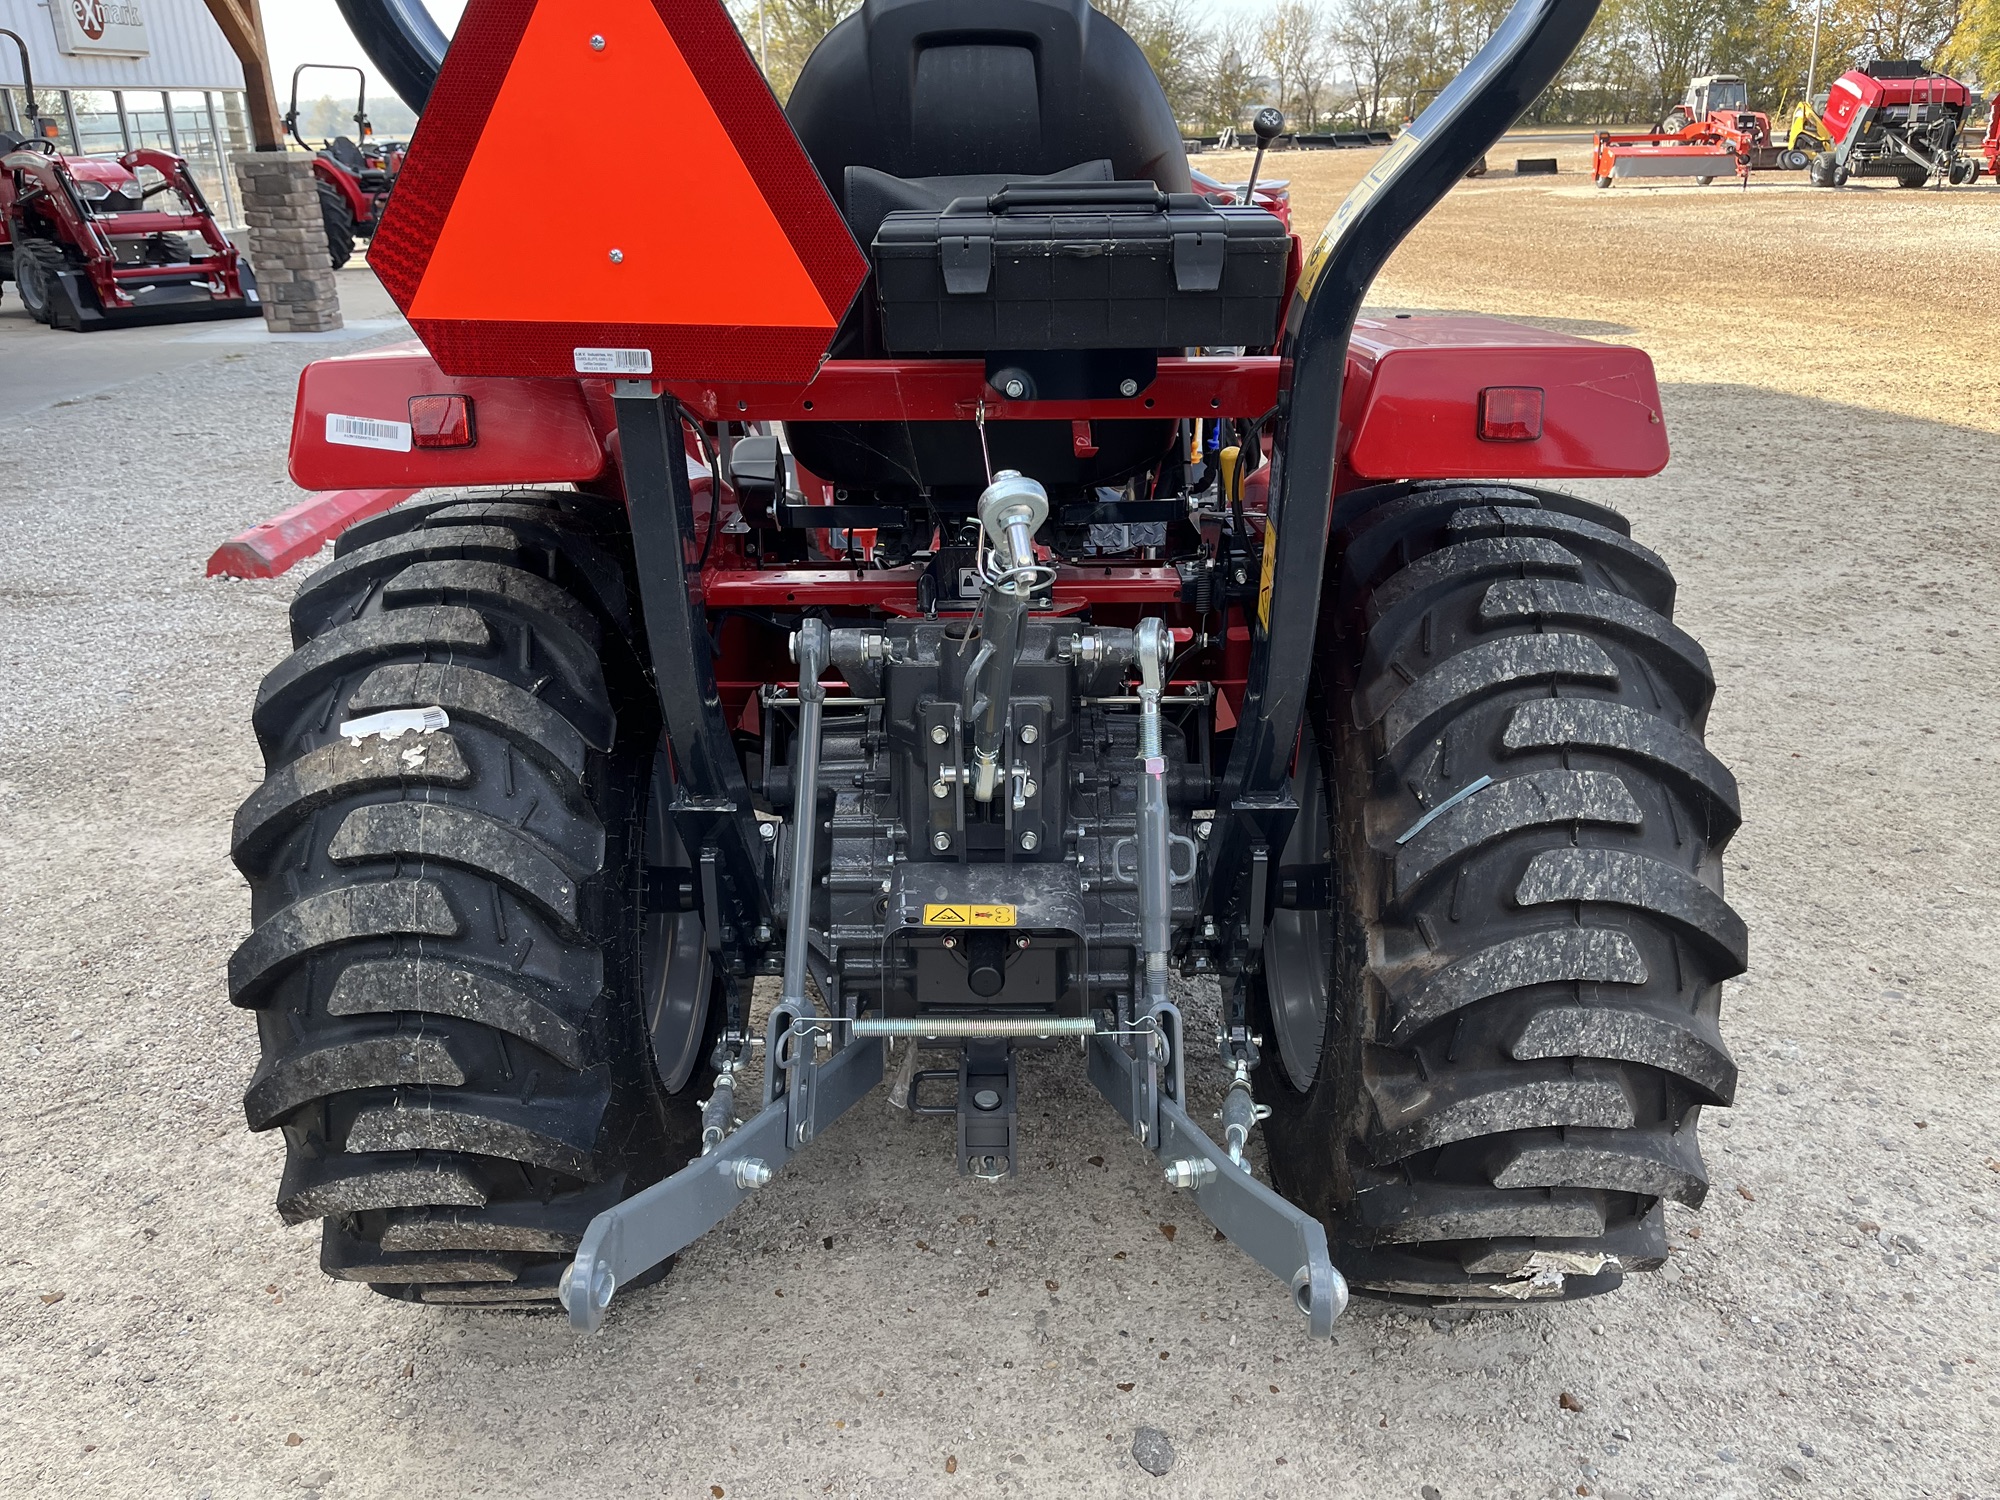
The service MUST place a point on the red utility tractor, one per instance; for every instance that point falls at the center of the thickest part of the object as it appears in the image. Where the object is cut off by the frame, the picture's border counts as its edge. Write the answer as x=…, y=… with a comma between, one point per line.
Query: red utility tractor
x=1711, y=133
x=956, y=592
x=1895, y=119
x=96, y=242
x=354, y=176
x=1723, y=99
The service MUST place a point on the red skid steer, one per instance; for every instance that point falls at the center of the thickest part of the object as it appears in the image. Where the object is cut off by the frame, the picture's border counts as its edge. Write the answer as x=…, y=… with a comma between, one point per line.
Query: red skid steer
x=963, y=593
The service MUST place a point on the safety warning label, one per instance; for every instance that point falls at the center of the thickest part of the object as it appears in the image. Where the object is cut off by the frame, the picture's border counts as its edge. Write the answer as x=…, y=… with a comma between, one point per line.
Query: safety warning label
x=969, y=916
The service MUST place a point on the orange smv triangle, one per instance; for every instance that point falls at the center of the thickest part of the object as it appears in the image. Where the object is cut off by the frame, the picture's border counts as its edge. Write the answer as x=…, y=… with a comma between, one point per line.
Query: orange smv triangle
x=661, y=223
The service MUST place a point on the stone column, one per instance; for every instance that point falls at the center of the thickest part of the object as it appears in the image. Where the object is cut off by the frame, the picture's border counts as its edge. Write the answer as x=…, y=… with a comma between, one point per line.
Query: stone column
x=287, y=241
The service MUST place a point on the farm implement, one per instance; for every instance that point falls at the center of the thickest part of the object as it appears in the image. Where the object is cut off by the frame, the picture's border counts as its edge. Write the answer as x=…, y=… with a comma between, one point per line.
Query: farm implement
x=957, y=593
x=1896, y=119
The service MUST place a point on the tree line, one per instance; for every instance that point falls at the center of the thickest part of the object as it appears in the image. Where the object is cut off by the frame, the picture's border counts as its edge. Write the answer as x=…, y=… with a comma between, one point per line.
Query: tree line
x=1360, y=64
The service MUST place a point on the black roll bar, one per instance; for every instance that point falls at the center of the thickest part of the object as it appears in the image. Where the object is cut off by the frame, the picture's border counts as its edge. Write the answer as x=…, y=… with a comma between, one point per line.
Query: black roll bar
x=1460, y=126
x=403, y=40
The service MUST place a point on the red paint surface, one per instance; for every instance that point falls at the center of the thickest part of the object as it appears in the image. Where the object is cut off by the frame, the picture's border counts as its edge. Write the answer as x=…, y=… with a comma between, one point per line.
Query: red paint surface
x=1411, y=406
x=953, y=390
x=267, y=549
x=528, y=431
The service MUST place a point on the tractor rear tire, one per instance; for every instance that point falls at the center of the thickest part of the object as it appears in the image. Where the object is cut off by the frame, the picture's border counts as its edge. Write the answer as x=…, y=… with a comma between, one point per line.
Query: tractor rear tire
x=36, y=263
x=1492, y=1045
x=448, y=958
x=339, y=218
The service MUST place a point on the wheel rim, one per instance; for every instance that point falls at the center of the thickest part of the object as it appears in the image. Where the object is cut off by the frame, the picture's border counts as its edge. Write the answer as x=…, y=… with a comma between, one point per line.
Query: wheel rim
x=28, y=277
x=676, y=978
x=1298, y=944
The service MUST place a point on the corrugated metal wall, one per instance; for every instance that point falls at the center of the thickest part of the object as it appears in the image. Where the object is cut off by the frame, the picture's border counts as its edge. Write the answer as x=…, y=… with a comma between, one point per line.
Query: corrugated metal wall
x=188, y=51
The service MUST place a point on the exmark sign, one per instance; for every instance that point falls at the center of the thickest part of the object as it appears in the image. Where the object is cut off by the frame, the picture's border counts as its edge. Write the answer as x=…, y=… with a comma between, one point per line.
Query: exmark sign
x=99, y=28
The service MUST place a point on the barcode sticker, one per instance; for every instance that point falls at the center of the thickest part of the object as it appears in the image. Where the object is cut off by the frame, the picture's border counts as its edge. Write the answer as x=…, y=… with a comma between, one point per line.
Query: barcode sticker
x=367, y=432
x=613, y=361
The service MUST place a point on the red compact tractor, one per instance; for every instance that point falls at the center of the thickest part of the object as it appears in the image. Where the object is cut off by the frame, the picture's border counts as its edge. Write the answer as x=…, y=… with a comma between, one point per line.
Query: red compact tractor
x=1711, y=133
x=88, y=247
x=354, y=176
x=952, y=593
x=1895, y=119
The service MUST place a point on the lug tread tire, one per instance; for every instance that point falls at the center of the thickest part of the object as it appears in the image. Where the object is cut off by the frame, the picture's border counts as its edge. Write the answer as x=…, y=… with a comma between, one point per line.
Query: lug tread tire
x=442, y=958
x=1530, y=831
x=338, y=216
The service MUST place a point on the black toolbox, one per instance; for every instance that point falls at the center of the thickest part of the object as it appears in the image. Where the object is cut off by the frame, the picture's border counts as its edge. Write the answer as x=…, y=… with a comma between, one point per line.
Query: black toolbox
x=1079, y=265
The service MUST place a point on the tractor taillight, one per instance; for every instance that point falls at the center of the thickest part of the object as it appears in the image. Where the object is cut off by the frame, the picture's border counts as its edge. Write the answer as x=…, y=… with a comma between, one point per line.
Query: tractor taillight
x=446, y=421
x=1510, y=413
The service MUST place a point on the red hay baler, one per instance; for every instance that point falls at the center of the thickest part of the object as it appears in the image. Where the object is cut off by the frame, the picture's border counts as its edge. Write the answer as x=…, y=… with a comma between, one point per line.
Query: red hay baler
x=1895, y=119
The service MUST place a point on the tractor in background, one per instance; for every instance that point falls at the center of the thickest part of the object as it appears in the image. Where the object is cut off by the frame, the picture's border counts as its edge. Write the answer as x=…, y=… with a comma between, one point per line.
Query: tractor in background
x=354, y=176
x=1895, y=118
x=94, y=242
x=1722, y=100
x=1713, y=132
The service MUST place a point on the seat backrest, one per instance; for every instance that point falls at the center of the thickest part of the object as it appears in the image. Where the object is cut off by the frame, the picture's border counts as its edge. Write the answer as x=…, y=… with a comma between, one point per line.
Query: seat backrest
x=949, y=88
x=346, y=154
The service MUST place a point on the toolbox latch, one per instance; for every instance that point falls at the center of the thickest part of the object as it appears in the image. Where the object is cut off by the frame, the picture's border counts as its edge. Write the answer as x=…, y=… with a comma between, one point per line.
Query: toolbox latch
x=967, y=260
x=1198, y=257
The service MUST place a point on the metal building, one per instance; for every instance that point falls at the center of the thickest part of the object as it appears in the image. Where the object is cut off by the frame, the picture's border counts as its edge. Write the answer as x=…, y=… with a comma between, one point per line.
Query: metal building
x=116, y=74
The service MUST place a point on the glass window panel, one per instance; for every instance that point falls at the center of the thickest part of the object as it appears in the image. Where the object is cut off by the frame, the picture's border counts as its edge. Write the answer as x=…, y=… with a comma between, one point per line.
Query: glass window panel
x=147, y=114
x=235, y=121
x=48, y=104
x=198, y=143
x=97, y=122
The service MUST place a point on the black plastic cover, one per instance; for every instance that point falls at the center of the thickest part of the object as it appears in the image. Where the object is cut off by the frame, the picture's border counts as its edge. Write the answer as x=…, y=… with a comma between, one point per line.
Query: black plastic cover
x=1042, y=266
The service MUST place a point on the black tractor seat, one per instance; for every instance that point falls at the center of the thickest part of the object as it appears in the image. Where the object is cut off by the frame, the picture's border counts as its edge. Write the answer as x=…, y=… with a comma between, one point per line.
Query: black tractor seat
x=910, y=105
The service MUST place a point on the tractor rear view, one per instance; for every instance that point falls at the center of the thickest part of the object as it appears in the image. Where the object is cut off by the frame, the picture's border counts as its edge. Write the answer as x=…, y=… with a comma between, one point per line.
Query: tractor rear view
x=354, y=174
x=920, y=610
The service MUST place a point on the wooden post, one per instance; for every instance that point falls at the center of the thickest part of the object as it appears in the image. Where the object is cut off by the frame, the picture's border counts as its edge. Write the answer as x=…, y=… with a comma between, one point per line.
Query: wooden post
x=243, y=24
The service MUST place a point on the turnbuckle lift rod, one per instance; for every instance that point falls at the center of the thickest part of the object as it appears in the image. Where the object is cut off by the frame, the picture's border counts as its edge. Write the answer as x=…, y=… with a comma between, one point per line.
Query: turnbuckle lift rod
x=1141, y=1068
x=634, y=1236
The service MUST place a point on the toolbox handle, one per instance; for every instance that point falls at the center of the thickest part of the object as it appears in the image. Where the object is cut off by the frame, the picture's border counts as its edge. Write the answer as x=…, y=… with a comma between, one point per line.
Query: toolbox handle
x=1073, y=195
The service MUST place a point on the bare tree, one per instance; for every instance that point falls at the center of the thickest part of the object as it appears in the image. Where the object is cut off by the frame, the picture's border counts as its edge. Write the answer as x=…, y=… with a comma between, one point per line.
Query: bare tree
x=782, y=33
x=1296, y=42
x=1228, y=64
x=1376, y=37
x=1901, y=28
x=1175, y=40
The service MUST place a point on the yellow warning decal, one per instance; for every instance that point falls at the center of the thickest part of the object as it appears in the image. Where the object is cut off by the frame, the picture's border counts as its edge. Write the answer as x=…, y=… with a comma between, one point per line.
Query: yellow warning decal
x=1269, y=572
x=969, y=916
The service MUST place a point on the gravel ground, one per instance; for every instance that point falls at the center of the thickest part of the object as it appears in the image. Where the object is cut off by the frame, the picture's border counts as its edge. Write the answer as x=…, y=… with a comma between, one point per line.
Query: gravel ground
x=1829, y=1322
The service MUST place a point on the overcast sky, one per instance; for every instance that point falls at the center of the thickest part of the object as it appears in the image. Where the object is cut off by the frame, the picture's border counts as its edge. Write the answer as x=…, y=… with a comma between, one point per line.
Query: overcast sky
x=313, y=31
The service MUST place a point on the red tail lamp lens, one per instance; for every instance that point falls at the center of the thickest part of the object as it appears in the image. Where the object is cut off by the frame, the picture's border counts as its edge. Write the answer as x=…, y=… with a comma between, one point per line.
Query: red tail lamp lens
x=1510, y=413
x=445, y=421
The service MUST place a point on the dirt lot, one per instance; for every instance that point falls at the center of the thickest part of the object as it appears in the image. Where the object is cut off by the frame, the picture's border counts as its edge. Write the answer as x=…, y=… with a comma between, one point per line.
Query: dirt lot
x=869, y=1325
